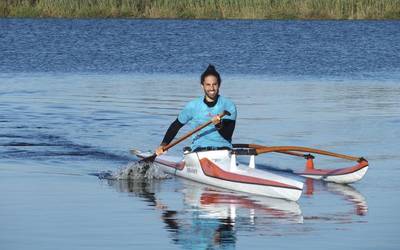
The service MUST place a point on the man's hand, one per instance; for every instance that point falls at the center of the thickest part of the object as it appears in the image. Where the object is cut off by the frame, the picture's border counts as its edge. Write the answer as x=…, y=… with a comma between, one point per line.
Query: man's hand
x=216, y=120
x=160, y=150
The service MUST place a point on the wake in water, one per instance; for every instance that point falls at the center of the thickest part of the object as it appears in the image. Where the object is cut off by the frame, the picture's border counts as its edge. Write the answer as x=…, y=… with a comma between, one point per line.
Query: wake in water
x=135, y=171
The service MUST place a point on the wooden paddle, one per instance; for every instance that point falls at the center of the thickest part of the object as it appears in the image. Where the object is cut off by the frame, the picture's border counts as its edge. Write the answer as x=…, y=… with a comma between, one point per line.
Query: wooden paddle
x=151, y=158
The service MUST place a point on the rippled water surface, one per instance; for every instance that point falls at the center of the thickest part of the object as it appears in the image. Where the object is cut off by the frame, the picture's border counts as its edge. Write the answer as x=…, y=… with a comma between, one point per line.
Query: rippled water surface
x=76, y=95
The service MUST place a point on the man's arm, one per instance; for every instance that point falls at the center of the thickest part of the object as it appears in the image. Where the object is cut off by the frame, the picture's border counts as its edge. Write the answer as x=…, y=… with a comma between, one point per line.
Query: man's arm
x=171, y=132
x=226, y=128
x=169, y=135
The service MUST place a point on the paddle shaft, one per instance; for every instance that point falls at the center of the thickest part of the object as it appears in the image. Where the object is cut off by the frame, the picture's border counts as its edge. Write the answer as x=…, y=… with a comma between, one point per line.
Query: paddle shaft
x=187, y=135
x=184, y=137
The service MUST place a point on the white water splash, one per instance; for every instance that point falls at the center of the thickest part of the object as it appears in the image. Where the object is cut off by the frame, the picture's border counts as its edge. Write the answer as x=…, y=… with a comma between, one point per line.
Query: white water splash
x=137, y=171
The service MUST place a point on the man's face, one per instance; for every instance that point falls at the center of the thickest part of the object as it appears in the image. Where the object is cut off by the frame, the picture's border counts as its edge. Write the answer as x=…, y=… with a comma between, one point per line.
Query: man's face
x=210, y=87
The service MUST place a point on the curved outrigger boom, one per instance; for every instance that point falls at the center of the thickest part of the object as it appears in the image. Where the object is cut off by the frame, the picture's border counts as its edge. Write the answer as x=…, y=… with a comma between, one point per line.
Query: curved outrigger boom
x=341, y=175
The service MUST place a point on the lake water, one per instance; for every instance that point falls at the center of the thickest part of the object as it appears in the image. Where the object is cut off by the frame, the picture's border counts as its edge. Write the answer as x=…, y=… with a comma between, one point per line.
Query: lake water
x=76, y=95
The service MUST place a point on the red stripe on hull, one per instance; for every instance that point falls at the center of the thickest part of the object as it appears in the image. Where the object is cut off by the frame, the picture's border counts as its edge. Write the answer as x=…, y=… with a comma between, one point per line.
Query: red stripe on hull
x=177, y=165
x=212, y=170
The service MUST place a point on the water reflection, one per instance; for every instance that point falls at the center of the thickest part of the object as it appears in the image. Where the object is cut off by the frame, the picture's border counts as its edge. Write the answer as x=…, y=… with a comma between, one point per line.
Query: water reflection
x=220, y=203
x=204, y=217
x=210, y=217
x=347, y=192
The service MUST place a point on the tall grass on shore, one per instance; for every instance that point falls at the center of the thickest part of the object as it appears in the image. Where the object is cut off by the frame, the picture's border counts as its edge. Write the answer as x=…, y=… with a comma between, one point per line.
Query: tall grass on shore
x=204, y=9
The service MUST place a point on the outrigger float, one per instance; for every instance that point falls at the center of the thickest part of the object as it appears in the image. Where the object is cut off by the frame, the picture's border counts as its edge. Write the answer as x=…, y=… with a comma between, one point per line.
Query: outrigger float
x=220, y=168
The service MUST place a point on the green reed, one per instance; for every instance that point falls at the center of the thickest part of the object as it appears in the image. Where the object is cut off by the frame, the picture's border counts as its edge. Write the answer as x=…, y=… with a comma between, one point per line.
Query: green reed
x=209, y=9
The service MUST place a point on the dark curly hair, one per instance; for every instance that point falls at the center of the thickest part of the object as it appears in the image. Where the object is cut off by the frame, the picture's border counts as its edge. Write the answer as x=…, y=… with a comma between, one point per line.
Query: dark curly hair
x=210, y=71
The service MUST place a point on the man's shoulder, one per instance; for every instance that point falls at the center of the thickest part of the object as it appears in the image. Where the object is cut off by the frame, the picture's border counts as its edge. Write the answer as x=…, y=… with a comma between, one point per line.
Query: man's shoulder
x=226, y=100
x=228, y=105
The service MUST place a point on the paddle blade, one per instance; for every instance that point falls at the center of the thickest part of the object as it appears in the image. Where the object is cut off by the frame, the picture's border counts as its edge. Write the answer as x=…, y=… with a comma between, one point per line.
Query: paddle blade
x=149, y=159
x=139, y=154
x=226, y=112
x=144, y=162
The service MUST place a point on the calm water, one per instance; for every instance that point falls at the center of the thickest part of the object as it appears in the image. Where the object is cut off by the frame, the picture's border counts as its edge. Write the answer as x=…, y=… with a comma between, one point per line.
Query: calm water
x=76, y=95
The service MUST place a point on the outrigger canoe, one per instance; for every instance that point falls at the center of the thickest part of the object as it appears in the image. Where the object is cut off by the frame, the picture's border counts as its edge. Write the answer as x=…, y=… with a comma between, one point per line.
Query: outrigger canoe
x=221, y=169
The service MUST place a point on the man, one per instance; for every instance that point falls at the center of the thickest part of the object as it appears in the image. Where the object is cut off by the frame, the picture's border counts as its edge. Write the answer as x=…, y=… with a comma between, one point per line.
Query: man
x=208, y=107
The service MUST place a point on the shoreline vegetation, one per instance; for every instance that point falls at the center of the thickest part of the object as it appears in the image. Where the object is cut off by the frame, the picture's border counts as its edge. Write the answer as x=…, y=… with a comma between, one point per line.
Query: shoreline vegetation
x=204, y=9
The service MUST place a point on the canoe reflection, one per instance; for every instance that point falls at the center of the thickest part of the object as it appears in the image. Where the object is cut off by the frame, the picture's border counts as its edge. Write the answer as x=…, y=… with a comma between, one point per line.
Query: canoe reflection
x=347, y=192
x=219, y=203
x=350, y=194
x=210, y=217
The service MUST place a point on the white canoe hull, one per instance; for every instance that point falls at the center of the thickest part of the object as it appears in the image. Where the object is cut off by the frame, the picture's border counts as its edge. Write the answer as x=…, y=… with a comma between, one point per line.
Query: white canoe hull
x=219, y=168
